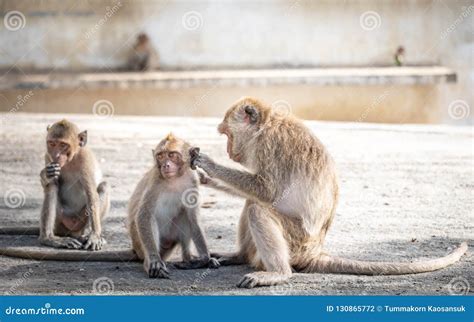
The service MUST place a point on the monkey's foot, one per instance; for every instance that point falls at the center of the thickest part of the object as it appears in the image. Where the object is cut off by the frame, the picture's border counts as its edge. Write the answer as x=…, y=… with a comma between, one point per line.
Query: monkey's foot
x=229, y=259
x=198, y=263
x=83, y=239
x=156, y=268
x=62, y=242
x=94, y=242
x=213, y=263
x=262, y=279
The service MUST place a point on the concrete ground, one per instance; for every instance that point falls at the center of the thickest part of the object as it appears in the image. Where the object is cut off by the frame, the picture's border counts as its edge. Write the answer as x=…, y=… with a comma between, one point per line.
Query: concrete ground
x=406, y=193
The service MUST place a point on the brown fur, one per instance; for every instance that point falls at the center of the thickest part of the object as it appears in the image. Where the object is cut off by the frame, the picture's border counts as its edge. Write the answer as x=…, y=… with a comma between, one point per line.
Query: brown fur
x=143, y=56
x=292, y=193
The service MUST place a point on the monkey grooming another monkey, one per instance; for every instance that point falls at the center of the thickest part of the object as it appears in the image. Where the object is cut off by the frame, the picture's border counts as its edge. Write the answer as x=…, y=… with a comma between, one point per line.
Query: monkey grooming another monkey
x=292, y=192
x=75, y=198
x=163, y=211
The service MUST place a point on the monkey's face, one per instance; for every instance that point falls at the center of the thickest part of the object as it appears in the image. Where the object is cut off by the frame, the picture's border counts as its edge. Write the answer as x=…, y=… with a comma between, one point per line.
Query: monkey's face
x=60, y=151
x=63, y=141
x=241, y=125
x=169, y=163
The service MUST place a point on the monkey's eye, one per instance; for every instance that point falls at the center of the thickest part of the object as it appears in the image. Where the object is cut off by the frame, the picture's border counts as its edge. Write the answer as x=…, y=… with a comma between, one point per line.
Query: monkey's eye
x=160, y=157
x=173, y=156
x=63, y=146
x=51, y=144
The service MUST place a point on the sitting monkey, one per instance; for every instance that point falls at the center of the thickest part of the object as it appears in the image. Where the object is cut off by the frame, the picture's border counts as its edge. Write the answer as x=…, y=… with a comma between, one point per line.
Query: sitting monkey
x=143, y=56
x=163, y=211
x=291, y=190
x=76, y=200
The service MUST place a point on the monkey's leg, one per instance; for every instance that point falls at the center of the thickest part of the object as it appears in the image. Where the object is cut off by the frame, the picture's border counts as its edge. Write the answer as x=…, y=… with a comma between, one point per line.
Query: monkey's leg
x=48, y=220
x=147, y=226
x=136, y=243
x=272, y=249
x=104, y=198
x=246, y=244
x=190, y=220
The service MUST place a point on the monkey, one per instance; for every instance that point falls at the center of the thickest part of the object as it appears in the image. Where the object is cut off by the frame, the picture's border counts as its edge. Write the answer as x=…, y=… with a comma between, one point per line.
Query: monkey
x=75, y=200
x=143, y=56
x=163, y=212
x=292, y=191
x=398, y=57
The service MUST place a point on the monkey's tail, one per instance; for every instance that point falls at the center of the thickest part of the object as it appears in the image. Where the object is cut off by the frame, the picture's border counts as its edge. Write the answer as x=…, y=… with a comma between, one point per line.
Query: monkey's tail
x=19, y=231
x=70, y=255
x=329, y=264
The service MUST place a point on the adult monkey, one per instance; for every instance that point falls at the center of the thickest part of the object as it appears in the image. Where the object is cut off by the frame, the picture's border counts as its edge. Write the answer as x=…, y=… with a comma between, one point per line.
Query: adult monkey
x=292, y=192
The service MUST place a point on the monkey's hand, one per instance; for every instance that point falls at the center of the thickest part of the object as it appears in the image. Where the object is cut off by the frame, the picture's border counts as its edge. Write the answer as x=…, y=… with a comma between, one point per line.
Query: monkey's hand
x=50, y=174
x=155, y=267
x=94, y=242
x=60, y=242
x=194, y=154
x=213, y=263
x=201, y=160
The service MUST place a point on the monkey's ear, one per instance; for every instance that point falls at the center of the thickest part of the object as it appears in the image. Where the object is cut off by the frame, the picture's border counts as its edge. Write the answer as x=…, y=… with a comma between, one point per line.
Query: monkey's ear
x=251, y=114
x=47, y=128
x=153, y=152
x=82, y=138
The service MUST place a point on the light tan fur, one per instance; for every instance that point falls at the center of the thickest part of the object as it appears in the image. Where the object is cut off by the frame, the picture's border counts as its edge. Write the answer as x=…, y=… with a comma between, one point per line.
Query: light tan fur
x=159, y=215
x=292, y=193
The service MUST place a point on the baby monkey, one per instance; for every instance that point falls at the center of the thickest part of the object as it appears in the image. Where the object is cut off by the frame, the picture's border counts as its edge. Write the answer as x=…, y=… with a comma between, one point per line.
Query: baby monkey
x=163, y=211
x=76, y=199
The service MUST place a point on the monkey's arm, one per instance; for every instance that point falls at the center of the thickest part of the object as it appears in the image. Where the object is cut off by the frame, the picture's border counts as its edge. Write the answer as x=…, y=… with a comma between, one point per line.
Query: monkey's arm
x=94, y=240
x=49, y=213
x=251, y=185
x=148, y=231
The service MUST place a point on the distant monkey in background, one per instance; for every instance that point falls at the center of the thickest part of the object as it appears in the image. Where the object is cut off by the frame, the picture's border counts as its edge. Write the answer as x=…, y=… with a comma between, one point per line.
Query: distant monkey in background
x=143, y=56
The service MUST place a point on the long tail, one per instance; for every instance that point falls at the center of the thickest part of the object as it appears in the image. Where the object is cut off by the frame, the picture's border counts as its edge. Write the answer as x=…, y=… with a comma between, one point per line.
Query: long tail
x=330, y=264
x=70, y=255
x=19, y=231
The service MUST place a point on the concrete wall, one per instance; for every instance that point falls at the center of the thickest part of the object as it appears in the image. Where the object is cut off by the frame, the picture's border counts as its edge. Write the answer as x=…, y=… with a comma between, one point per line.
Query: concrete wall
x=66, y=34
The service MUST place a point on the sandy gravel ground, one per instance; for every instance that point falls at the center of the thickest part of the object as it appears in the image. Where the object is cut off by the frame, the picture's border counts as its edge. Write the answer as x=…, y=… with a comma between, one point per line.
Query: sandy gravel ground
x=406, y=193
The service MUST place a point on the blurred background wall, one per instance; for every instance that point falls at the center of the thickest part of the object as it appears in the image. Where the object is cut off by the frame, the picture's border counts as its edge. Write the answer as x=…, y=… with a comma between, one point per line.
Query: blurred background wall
x=81, y=36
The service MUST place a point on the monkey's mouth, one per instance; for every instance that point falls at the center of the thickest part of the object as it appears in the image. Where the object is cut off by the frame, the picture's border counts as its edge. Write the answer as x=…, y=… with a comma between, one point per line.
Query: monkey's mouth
x=61, y=161
x=169, y=173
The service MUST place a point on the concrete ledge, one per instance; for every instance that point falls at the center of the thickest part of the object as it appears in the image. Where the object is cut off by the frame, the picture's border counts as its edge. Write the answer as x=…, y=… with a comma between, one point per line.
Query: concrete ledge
x=185, y=79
